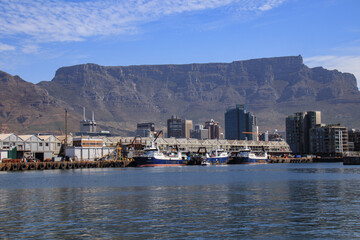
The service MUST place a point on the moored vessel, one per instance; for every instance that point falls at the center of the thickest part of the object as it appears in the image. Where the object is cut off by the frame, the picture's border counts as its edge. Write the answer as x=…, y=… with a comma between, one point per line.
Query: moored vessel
x=246, y=156
x=153, y=157
x=216, y=157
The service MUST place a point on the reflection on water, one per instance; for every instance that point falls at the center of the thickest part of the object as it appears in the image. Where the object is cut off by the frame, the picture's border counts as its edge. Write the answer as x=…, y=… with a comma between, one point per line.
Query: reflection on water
x=278, y=201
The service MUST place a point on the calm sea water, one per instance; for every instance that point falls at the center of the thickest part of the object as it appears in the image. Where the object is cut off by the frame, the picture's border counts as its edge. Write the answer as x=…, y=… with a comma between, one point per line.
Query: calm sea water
x=273, y=201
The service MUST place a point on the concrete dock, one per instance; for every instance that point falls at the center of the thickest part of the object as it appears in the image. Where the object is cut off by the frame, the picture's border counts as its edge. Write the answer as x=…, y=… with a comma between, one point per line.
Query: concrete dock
x=27, y=166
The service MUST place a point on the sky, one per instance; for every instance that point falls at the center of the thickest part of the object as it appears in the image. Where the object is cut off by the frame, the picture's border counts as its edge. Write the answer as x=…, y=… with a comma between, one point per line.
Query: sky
x=38, y=37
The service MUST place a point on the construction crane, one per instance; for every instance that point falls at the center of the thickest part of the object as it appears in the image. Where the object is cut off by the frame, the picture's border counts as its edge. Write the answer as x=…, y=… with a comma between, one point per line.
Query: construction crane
x=253, y=133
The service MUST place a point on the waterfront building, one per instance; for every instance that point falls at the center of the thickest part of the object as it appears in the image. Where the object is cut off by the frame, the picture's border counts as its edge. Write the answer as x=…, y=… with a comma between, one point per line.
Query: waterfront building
x=354, y=138
x=199, y=132
x=143, y=129
x=175, y=127
x=298, y=128
x=51, y=143
x=10, y=141
x=87, y=149
x=214, y=129
x=39, y=147
x=9, y=145
x=329, y=140
x=240, y=124
x=34, y=148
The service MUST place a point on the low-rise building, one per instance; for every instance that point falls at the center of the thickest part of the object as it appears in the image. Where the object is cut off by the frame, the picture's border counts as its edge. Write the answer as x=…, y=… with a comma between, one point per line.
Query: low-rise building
x=34, y=147
x=51, y=143
x=10, y=141
x=87, y=149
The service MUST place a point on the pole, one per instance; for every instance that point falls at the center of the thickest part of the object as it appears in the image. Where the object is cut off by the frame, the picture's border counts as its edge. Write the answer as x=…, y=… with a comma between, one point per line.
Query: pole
x=66, y=132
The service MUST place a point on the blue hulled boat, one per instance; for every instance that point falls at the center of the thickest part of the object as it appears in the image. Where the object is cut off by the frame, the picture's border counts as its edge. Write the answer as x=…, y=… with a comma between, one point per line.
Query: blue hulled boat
x=216, y=157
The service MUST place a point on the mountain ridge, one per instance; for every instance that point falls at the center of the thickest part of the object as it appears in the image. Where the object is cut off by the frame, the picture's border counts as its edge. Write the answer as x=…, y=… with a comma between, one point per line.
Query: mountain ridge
x=271, y=88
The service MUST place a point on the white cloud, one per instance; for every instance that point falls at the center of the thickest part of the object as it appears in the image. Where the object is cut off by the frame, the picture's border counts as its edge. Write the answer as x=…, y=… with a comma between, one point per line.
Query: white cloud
x=60, y=20
x=30, y=48
x=270, y=5
x=5, y=47
x=348, y=64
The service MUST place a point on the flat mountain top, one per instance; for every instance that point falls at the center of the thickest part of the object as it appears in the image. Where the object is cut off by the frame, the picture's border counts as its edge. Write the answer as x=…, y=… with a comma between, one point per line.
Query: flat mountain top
x=271, y=88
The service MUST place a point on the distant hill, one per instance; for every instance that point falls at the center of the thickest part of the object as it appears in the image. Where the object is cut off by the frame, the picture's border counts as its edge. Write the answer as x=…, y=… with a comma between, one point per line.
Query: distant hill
x=271, y=88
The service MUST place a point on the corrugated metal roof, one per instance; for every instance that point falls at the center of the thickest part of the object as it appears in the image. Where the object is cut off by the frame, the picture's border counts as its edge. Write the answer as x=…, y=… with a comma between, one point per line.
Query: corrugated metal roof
x=46, y=137
x=4, y=136
x=25, y=137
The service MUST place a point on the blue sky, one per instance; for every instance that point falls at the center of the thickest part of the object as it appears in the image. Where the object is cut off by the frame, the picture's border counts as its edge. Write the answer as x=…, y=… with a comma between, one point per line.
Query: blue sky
x=37, y=37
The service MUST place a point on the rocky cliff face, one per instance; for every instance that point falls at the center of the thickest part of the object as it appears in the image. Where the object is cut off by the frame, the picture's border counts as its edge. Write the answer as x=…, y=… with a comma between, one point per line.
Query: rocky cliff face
x=272, y=88
x=25, y=107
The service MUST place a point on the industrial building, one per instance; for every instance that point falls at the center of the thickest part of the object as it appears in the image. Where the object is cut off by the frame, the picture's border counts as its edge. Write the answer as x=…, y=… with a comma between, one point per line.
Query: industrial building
x=88, y=127
x=33, y=146
x=86, y=148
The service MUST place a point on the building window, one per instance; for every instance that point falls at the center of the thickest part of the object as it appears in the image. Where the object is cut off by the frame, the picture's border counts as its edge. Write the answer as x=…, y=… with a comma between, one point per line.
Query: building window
x=40, y=144
x=46, y=144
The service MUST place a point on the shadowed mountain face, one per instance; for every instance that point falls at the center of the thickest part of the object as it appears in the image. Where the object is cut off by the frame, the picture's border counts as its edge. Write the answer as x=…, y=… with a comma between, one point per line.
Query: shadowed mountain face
x=25, y=107
x=271, y=88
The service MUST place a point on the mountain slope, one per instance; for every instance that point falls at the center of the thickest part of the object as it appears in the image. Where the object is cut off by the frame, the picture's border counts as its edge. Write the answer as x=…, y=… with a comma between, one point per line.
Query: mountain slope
x=271, y=88
x=27, y=108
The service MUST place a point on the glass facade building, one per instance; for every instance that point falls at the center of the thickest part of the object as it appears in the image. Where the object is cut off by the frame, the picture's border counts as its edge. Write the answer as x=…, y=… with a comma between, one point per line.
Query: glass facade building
x=240, y=124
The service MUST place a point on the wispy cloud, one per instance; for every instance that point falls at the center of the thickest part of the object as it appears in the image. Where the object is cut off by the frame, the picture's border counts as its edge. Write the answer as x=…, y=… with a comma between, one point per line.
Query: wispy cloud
x=5, y=47
x=60, y=20
x=348, y=64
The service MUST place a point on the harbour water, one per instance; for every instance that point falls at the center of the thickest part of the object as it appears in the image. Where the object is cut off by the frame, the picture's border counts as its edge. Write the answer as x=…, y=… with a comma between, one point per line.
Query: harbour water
x=271, y=201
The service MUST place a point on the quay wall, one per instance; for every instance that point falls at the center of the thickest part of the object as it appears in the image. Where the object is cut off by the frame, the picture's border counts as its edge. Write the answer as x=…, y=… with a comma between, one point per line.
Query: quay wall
x=27, y=166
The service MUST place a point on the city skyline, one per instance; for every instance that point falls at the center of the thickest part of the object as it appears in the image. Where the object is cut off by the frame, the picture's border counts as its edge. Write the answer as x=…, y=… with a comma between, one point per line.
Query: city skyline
x=38, y=37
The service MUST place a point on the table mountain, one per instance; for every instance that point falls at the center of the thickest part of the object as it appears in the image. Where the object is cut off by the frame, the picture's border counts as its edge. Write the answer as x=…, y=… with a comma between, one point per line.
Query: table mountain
x=271, y=88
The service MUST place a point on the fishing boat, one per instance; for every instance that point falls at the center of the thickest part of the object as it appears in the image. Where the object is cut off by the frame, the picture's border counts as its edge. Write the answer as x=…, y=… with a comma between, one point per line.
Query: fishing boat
x=153, y=157
x=216, y=157
x=246, y=156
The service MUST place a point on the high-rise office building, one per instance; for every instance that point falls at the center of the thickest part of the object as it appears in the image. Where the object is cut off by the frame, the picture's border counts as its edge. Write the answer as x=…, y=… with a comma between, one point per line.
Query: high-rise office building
x=143, y=129
x=188, y=126
x=214, y=129
x=199, y=132
x=175, y=127
x=354, y=138
x=240, y=124
x=330, y=140
x=298, y=128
